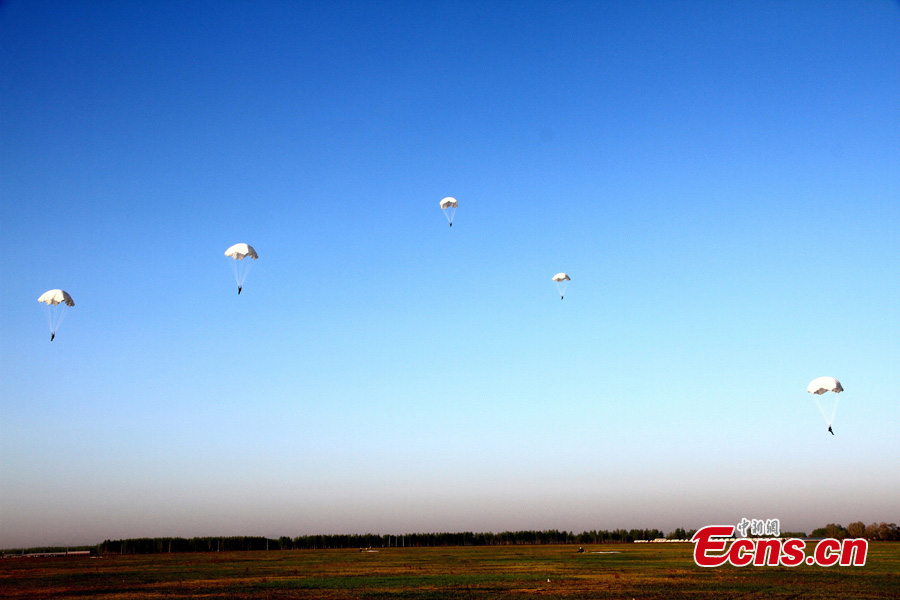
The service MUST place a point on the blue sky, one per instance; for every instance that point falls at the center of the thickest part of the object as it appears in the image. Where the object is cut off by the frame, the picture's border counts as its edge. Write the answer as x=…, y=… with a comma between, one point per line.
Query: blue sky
x=720, y=180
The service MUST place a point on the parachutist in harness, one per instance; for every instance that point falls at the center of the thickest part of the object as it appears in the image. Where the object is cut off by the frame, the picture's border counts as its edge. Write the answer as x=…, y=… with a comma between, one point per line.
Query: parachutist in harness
x=52, y=335
x=830, y=431
x=239, y=290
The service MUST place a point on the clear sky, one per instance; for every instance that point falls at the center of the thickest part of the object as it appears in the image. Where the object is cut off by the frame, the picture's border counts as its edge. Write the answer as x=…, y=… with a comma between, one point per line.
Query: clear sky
x=721, y=180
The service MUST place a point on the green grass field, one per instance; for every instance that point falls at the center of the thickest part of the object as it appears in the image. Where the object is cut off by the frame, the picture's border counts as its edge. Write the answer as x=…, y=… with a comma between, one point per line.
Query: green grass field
x=637, y=571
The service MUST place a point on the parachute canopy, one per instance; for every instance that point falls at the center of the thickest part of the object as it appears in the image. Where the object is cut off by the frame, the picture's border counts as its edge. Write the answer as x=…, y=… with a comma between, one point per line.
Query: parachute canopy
x=561, y=277
x=820, y=385
x=241, y=251
x=828, y=407
x=54, y=297
x=449, y=205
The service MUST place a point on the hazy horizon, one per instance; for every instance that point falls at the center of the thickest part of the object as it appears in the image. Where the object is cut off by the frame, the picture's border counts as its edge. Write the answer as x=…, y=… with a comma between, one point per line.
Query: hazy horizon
x=720, y=181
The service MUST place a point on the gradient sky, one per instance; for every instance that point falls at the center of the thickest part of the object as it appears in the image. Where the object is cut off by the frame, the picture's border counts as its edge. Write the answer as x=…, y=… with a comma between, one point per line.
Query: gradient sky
x=721, y=181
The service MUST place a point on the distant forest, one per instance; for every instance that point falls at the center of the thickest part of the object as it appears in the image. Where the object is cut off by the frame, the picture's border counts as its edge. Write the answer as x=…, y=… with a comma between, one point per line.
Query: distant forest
x=874, y=532
x=409, y=540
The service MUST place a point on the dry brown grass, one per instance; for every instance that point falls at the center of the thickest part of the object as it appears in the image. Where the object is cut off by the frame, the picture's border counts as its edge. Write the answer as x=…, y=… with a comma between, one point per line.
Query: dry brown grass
x=638, y=571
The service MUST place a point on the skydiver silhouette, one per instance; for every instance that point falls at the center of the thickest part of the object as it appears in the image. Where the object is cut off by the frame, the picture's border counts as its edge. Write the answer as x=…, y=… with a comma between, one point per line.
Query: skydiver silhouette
x=239, y=290
x=830, y=431
x=52, y=335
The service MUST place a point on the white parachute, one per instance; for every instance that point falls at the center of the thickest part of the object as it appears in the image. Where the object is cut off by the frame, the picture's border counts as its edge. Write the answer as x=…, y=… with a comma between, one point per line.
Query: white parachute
x=562, y=281
x=241, y=267
x=820, y=386
x=449, y=206
x=55, y=301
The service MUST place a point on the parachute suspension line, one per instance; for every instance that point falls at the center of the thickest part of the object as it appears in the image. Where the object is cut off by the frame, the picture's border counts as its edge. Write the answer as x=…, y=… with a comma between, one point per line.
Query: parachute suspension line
x=822, y=410
x=246, y=269
x=837, y=398
x=241, y=268
x=239, y=272
x=828, y=418
x=61, y=315
x=55, y=316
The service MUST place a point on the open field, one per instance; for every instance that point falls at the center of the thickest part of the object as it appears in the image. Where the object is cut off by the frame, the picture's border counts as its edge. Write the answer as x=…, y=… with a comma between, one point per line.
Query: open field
x=621, y=571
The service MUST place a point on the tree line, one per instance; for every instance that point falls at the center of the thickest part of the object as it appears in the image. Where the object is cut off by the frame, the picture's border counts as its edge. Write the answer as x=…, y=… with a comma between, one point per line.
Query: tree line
x=875, y=532
x=887, y=532
x=369, y=540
